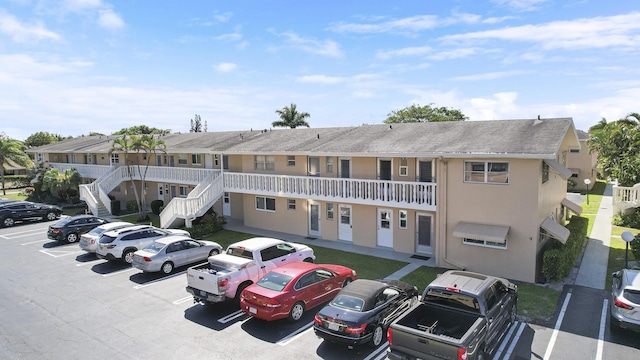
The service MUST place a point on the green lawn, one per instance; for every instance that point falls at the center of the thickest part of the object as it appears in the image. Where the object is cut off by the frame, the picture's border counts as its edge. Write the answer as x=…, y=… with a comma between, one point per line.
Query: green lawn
x=617, y=252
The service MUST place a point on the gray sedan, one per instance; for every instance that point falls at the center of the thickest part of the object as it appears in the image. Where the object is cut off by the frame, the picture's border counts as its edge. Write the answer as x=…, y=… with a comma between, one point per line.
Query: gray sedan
x=168, y=253
x=625, y=300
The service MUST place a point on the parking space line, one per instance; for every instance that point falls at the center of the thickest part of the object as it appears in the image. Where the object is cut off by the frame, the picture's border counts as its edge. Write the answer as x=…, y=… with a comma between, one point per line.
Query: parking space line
x=507, y=355
x=97, y=261
x=184, y=299
x=23, y=233
x=140, y=286
x=296, y=334
x=35, y=242
x=556, y=329
x=376, y=354
x=60, y=253
x=117, y=272
x=603, y=324
x=230, y=317
x=505, y=341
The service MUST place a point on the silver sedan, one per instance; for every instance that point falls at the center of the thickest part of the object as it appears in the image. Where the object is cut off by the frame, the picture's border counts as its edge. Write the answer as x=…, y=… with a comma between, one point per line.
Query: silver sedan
x=174, y=251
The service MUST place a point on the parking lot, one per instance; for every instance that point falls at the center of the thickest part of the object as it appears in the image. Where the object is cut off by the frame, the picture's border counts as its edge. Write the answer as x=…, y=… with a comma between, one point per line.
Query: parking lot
x=56, y=302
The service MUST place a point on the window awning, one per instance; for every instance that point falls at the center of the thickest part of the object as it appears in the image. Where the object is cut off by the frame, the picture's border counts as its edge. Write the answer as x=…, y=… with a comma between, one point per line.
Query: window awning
x=575, y=171
x=572, y=206
x=492, y=233
x=562, y=171
x=556, y=230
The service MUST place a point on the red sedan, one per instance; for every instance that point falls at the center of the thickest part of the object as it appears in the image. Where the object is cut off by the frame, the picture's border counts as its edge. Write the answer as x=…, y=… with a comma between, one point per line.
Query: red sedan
x=290, y=290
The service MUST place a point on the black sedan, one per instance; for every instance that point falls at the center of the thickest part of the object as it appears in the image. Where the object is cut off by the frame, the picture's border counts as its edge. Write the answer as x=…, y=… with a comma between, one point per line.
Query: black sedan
x=69, y=229
x=362, y=311
x=27, y=211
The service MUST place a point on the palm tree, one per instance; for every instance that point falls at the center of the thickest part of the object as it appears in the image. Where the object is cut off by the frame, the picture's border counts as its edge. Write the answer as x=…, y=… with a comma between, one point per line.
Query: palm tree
x=149, y=146
x=11, y=153
x=125, y=145
x=291, y=118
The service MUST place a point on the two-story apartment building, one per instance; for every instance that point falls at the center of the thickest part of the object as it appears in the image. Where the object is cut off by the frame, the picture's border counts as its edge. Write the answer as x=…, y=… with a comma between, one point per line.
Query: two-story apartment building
x=583, y=163
x=485, y=196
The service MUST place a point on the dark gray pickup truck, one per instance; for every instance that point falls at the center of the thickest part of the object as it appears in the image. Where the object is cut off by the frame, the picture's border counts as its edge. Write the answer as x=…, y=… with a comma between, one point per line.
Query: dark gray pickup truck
x=462, y=315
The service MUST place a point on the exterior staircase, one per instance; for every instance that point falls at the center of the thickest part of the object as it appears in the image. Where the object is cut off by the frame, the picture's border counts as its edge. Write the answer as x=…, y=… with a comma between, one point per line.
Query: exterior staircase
x=625, y=198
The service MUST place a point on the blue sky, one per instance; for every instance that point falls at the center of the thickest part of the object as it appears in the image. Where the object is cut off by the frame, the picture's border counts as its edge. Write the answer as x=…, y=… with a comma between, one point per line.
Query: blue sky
x=74, y=66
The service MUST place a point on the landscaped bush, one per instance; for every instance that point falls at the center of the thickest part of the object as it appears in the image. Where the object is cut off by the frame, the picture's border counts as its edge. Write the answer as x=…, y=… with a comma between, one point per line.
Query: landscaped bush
x=635, y=247
x=203, y=228
x=631, y=220
x=132, y=205
x=115, y=207
x=156, y=205
x=558, y=260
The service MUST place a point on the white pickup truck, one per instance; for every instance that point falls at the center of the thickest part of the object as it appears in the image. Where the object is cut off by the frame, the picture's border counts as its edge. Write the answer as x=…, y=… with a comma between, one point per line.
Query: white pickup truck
x=245, y=262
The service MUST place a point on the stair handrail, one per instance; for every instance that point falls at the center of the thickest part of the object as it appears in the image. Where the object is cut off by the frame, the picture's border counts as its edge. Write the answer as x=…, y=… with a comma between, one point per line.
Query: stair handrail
x=191, y=207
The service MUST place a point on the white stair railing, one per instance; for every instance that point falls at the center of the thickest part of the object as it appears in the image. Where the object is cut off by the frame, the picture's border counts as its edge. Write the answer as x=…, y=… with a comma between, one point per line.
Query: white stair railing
x=195, y=204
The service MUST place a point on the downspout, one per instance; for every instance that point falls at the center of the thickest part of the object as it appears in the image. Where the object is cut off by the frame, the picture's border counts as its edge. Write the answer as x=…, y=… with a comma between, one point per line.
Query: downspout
x=443, y=201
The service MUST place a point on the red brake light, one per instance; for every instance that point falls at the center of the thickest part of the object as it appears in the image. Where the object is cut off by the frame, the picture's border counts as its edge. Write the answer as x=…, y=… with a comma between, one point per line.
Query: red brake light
x=462, y=354
x=452, y=289
x=390, y=336
x=273, y=303
x=620, y=304
x=356, y=330
x=223, y=282
x=317, y=320
x=147, y=259
x=56, y=230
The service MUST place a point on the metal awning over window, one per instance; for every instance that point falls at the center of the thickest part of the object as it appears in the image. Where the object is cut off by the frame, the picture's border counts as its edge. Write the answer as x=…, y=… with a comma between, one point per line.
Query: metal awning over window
x=561, y=170
x=574, y=171
x=491, y=233
x=556, y=230
x=572, y=206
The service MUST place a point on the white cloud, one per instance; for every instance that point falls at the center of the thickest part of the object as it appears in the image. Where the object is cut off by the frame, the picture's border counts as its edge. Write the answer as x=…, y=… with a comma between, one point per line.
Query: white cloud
x=110, y=20
x=454, y=54
x=79, y=5
x=322, y=79
x=314, y=46
x=521, y=5
x=410, y=24
x=228, y=37
x=222, y=17
x=18, y=67
x=225, y=67
x=488, y=76
x=409, y=51
x=499, y=106
x=23, y=33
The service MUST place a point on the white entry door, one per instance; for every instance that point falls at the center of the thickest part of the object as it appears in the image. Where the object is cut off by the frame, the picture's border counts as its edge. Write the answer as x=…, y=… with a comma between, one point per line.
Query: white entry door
x=161, y=192
x=424, y=233
x=344, y=228
x=314, y=219
x=385, y=227
x=226, y=204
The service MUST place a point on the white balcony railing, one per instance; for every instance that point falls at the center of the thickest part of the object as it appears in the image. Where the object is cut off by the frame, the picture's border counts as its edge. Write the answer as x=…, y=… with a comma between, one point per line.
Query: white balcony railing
x=625, y=197
x=195, y=204
x=85, y=170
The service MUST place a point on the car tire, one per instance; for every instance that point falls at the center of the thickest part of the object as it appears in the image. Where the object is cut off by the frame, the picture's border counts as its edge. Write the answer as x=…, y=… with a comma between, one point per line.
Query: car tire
x=72, y=237
x=377, y=336
x=167, y=268
x=296, y=312
x=241, y=287
x=8, y=222
x=51, y=216
x=214, y=252
x=127, y=256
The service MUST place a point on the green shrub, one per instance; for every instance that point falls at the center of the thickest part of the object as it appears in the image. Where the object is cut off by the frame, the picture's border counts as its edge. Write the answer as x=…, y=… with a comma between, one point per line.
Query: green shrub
x=156, y=205
x=203, y=228
x=631, y=220
x=558, y=260
x=115, y=207
x=635, y=247
x=132, y=205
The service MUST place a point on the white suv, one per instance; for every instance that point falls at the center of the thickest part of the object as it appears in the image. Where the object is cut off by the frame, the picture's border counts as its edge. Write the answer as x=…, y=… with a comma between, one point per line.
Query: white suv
x=122, y=243
x=89, y=241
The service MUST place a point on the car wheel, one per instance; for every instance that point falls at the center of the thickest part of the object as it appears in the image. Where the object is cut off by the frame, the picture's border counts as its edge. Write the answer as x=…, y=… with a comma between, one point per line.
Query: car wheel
x=308, y=260
x=127, y=256
x=347, y=282
x=214, y=252
x=51, y=216
x=296, y=312
x=241, y=287
x=167, y=267
x=8, y=222
x=71, y=238
x=378, y=335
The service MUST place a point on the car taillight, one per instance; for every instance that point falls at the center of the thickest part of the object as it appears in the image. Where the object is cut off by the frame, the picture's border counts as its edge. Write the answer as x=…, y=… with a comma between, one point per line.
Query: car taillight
x=93, y=241
x=273, y=303
x=55, y=230
x=620, y=304
x=462, y=354
x=147, y=259
x=353, y=273
x=390, y=336
x=317, y=320
x=356, y=330
x=223, y=282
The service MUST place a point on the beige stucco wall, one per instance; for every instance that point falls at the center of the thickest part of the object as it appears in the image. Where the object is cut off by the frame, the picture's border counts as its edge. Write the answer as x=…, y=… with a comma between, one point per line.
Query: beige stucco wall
x=284, y=220
x=585, y=161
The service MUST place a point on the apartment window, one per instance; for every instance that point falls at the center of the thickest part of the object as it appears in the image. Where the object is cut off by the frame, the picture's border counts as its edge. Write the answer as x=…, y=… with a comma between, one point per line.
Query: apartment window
x=183, y=191
x=484, y=243
x=329, y=211
x=196, y=159
x=291, y=160
x=486, y=172
x=404, y=169
x=265, y=162
x=545, y=172
x=574, y=150
x=265, y=203
x=216, y=160
x=402, y=224
x=329, y=164
x=182, y=159
x=115, y=158
x=291, y=204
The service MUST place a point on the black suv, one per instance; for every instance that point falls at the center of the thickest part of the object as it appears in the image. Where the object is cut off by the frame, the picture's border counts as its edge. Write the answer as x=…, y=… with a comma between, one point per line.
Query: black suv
x=27, y=211
x=69, y=229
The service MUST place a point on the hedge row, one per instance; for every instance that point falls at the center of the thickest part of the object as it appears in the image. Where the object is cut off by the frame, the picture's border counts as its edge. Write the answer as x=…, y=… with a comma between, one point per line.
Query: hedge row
x=558, y=260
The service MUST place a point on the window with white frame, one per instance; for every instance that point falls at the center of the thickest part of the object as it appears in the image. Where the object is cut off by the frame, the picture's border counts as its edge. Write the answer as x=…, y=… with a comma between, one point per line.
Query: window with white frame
x=404, y=169
x=182, y=159
x=115, y=158
x=291, y=160
x=291, y=204
x=183, y=191
x=329, y=164
x=216, y=160
x=329, y=211
x=196, y=159
x=476, y=242
x=265, y=162
x=488, y=172
x=402, y=224
x=265, y=203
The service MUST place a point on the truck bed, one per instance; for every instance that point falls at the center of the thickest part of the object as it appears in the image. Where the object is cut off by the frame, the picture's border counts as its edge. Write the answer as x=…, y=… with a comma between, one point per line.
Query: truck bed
x=439, y=322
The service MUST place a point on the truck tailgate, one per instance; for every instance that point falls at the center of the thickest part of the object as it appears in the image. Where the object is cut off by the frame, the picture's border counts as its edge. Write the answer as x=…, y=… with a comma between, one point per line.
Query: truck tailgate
x=202, y=279
x=411, y=342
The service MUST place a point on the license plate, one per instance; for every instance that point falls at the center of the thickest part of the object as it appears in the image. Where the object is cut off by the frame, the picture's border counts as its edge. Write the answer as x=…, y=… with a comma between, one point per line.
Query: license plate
x=334, y=327
x=253, y=310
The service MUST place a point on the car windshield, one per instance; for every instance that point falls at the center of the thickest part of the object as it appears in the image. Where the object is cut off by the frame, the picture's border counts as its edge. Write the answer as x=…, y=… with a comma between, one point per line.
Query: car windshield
x=632, y=295
x=104, y=239
x=348, y=302
x=96, y=231
x=65, y=221
x=154, y=247
x=274, y=281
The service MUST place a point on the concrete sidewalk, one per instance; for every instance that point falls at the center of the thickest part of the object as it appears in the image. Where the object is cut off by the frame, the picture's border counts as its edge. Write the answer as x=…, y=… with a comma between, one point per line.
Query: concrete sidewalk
x=593, y=267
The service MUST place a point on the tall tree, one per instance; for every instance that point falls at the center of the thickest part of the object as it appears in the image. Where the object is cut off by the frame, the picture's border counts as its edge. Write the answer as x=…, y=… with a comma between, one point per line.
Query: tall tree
x=11, y=154
x=291, y=118
x=63, y=185
x=428, y=113
x=125, y=145
x=40, y=138
x=617, y=144
x=196, y=124
x=141, y=130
